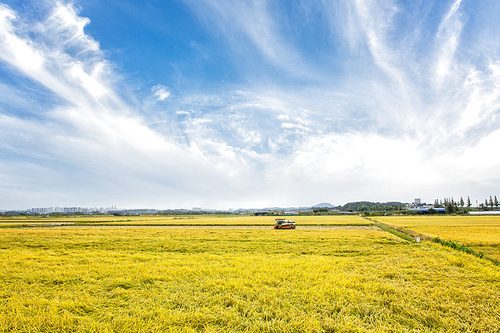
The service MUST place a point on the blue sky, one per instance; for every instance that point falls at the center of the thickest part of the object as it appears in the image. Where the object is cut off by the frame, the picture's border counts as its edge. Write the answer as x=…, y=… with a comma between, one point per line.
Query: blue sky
x=222, y=104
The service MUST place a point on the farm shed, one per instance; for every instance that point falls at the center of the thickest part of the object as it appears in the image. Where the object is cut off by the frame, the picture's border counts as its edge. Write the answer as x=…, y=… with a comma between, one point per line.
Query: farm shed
x=489, y=212
x=263, y=213
x=426, y=210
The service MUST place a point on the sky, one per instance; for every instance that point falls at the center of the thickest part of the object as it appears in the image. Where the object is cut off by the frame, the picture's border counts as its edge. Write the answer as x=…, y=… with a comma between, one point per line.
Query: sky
x=240, y=104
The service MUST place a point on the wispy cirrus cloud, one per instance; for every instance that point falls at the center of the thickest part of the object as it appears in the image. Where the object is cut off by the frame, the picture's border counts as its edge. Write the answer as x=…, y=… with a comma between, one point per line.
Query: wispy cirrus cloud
x=90, y=131
x=161, y=92
x=448, y=37
x=250, y=26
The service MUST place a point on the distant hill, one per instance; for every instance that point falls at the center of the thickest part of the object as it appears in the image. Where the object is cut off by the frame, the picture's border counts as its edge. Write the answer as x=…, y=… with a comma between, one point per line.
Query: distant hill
x=360, y=205
x=324, y=205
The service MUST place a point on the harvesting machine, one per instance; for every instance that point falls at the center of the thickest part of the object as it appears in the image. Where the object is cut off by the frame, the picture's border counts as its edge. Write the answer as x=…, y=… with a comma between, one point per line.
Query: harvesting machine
x=281, y=223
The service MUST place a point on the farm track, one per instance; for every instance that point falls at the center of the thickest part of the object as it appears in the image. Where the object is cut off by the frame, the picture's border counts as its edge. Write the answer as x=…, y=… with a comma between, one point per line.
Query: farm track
x=310, y=227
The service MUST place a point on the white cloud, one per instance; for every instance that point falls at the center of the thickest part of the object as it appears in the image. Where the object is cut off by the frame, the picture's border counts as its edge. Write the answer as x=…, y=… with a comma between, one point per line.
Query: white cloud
x=160, y=92
x=448, y=37
x=66, y=30
x=251, y=21
x=94, y=133
x=79, y=77
x=375, y=21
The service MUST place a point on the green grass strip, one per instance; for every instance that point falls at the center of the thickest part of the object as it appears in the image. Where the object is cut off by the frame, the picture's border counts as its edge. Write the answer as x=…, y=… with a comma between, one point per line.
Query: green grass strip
x=399, y=233
x=463, y=248
x=395, y=232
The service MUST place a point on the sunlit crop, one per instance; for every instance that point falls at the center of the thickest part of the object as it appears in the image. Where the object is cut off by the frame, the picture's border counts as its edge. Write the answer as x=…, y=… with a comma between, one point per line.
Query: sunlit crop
x=182, y=280
x=185, y=220
x=482, y=233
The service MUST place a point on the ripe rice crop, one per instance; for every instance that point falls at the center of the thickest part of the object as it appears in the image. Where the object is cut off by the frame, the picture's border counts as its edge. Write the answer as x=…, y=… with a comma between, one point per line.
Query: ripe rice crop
x=180, y=280
x=185, y=220
x=481, y=233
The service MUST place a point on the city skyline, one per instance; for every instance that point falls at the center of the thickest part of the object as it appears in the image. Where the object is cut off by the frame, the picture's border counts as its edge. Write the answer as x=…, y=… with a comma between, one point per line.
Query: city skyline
x=475, y=203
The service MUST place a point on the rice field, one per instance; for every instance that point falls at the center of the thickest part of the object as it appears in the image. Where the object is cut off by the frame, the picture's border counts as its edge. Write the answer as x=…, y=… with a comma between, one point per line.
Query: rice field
x=481, y=233
x=220, y=280
x=207, y=220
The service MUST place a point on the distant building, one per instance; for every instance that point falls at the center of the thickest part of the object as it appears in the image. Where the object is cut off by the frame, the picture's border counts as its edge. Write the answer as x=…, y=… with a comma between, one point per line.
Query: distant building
x=263, y=213
x=425, y=209
x=417, y=204
x=47, y=210
x=489, y=212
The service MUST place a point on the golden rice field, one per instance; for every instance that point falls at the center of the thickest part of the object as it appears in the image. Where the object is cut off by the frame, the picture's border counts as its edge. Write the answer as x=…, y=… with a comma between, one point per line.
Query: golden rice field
x=220, y=280
x=481, y=233
x=207, y=220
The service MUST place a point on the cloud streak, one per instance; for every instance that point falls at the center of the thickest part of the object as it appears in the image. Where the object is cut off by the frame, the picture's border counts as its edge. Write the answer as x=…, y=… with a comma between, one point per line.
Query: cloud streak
x=252, y=21
x=160, y=92
x=91, y=130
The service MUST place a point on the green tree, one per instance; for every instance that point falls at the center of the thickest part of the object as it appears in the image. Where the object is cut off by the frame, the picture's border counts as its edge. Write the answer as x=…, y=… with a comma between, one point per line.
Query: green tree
x=496, y=202
x=491, y=202
x=468, y=202
x=450, y=208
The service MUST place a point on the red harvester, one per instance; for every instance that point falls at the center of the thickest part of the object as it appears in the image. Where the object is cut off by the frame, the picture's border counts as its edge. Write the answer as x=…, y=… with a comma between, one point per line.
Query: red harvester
x=281, y=223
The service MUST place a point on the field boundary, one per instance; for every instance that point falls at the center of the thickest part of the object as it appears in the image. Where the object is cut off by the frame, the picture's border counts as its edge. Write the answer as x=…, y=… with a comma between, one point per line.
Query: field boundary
x=222, y=224
x=99, y=224
x=218, y=227
x=411, y=235
x=464, y=248
x=407, y=235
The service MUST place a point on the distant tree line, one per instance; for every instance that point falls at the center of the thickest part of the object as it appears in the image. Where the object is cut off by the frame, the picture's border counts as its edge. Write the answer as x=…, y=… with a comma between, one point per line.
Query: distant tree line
x=492, y=202
x=462, y=206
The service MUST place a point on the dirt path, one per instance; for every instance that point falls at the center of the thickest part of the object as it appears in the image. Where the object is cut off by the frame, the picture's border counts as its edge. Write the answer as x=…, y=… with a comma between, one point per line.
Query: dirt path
x=305, y=227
